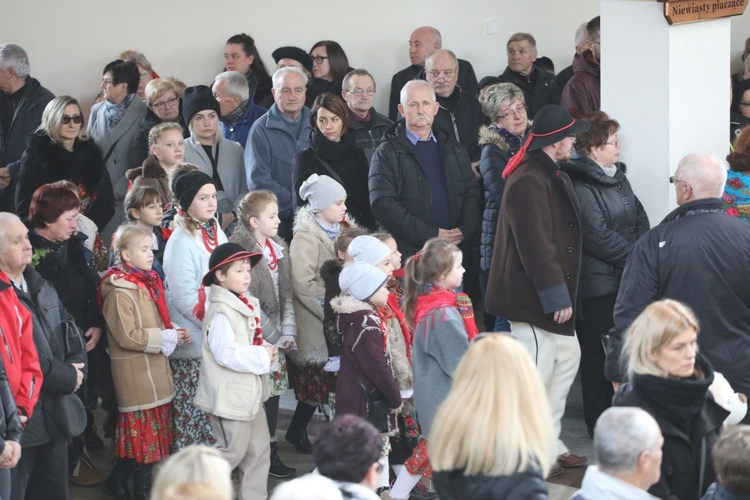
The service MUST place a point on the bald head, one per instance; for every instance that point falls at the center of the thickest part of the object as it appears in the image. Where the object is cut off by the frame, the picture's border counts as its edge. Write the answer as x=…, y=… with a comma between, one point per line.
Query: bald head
x=700, y=175
x=423, y=41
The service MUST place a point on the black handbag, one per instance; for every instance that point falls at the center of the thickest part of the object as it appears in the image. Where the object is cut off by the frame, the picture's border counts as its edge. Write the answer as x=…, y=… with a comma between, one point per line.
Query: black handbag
x=64, y=414
x=377, y=407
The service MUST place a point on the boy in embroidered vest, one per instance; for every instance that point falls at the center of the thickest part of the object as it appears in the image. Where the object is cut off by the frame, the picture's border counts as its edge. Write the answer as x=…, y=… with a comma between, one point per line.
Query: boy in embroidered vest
x=234, y=374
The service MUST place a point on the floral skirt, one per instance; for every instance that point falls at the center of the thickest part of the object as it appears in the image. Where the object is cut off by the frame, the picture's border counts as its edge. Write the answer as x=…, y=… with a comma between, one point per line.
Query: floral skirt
x=279, y=378
x=144, y=435
x=310, y=383
x=418, y=463
x=405, y=440
x=191, y=425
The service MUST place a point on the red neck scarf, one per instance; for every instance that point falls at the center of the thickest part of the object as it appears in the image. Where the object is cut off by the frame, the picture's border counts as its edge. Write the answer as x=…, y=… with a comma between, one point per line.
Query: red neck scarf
x=436, y=298
x=148, y=280
x=393, y=303
x=258, y=337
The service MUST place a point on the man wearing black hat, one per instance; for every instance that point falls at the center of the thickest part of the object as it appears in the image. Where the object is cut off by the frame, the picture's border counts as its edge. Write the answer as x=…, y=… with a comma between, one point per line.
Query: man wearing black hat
x=297, y=58
x=535, y=268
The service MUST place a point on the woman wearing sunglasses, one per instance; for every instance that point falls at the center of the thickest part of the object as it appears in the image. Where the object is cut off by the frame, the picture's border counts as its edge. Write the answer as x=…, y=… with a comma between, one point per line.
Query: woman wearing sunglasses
x=61, y=149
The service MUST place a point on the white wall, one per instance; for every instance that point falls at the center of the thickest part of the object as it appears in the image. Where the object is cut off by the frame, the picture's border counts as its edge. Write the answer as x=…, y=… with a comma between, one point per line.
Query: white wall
x=69, y=43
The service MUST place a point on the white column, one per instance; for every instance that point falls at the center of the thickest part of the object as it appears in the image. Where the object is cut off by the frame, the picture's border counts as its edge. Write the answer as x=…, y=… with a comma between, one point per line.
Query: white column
x=669, y=87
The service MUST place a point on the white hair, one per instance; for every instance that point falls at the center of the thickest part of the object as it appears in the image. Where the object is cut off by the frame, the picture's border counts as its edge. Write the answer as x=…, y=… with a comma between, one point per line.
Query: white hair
x=308, y=487
x=705, y=171
x=5, y=218
x=279, y=75
x=416, y=83
x=13, y=56
x=441, y=52
x=236, y=84
x=620, y=436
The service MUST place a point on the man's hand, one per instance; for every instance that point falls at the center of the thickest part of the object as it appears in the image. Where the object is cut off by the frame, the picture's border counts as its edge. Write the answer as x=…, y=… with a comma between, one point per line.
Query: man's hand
x=4, y=177
x=93, y=334
x=16, y=448
x=79, y=373
x=475, y=169
x=455, y=236
x=563, y=315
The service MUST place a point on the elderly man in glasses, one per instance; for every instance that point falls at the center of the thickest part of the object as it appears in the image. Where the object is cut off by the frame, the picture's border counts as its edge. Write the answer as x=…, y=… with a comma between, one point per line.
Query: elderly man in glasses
x=460, y=114
x=369, y=126
x=22, y=101
x=238, y=112
x=701, y=257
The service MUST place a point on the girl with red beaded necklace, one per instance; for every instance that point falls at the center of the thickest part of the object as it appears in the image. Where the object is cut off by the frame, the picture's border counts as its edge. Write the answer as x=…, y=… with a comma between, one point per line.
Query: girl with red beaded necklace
x=236, y=362
x=442, y=322
x=257, y=231
x=141, y=336
x=196, y=236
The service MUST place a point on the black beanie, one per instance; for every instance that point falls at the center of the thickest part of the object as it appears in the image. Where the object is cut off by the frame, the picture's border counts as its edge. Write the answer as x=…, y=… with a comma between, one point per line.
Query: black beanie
x=294, y=53
x=197, y=99
x=187, y=184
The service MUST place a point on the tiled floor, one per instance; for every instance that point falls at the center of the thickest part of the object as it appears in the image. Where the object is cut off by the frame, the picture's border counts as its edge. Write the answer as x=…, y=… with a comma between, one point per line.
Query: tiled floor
x=574, y=435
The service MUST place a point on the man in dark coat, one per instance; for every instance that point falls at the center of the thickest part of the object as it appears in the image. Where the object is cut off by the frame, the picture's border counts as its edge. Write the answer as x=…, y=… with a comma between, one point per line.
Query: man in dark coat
x=421, y=183
x=522, y=72
x=369, y=126
x=564, y=76
x=536, y=264
x=701, y=257
x=22, y=101
x=423, y=41
x=460, y=114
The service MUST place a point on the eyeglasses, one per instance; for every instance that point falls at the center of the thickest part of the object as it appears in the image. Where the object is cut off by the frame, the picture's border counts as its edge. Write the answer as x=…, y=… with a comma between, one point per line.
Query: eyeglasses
x=447, y=74
x=107, y=81
x=319, y=59
x=675, y=180
x=360, y=92
x=77, y=119
x=573, y=137
x=613, y=143
x=517, y=111
x=164, y=104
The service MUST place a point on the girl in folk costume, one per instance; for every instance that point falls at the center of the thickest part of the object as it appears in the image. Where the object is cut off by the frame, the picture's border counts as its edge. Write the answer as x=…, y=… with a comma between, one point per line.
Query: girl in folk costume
x=365, y=364
x=236, y=362
x=257, y=231
x=373, y=250
x=141, y=336
x=443, y=326
x=196, y=236
x=330, y=272
x=144, y=206
x=316, y=225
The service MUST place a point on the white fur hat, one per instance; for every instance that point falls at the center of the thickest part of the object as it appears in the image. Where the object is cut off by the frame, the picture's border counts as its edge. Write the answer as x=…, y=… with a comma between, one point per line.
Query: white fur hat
x=368, y=249
x=361, y=280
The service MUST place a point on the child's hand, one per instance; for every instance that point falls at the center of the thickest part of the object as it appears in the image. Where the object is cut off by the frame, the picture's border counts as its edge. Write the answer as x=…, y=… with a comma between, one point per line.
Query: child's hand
x=287, y=345
x=272, y=352
x=183, y=336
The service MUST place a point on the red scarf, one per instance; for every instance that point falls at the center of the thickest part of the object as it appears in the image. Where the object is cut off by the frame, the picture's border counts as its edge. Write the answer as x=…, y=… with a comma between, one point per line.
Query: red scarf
x=438, y=298
x=393, y=303
x=258, y=337
x=148, y=280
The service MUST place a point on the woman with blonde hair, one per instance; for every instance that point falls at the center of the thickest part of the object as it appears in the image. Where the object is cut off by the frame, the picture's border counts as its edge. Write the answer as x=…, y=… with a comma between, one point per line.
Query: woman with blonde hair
x=492, y=436
x=163, y=96
x=194, y=465
x=670, y=379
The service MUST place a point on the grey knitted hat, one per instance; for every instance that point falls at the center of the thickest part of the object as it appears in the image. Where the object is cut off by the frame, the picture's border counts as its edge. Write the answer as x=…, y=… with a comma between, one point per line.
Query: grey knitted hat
x=321, y=191
x=361, y=280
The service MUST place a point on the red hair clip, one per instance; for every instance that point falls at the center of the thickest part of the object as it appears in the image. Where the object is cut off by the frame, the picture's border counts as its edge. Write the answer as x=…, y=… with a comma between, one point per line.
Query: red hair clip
x=416, y=257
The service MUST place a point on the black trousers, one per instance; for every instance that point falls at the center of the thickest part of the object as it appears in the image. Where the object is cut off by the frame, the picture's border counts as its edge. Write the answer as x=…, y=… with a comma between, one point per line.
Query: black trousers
x=42, y=472
x=597, y=391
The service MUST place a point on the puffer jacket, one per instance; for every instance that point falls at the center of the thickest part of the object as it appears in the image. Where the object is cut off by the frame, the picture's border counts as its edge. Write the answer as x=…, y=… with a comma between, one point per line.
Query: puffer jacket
x=54, y=329
x=463, y=122
x=612, y=219
x=400, y=190
x=371, y=133
x=496, y=152
x=454, y=485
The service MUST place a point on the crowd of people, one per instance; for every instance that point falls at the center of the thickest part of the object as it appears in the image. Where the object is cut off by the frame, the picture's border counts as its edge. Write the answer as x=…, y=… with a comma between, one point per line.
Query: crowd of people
x=185, y=255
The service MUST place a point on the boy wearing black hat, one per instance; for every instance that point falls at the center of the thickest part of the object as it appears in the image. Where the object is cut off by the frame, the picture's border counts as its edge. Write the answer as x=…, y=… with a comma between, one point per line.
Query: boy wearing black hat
x=233, y=384
x=534, y=282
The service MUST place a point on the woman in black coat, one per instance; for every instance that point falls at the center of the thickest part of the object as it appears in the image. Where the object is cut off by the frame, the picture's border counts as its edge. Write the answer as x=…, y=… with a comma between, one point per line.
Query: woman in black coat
x=505, y=105
x=669, y=379
x=61, y=150
x=612, y=219
x=334, y=152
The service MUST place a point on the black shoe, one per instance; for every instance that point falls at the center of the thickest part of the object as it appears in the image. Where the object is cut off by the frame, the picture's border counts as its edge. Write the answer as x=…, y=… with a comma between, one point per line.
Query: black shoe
x=300, y=441
x=278, y=468
x=141, y=481
x=90, y=437
x=117, y=481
